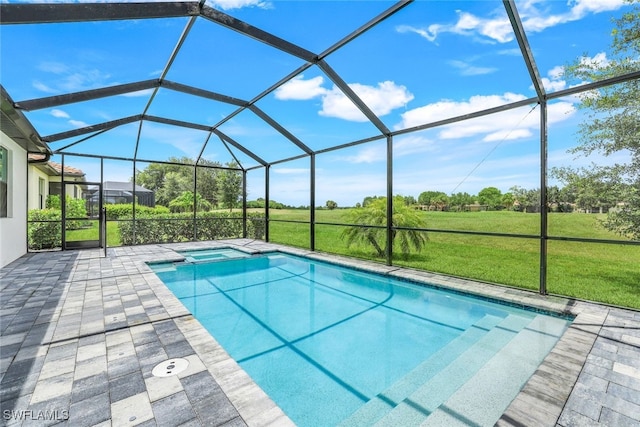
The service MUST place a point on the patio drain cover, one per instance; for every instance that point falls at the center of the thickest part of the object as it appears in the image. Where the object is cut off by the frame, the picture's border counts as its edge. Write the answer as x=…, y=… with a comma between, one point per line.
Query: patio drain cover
x=170, y=367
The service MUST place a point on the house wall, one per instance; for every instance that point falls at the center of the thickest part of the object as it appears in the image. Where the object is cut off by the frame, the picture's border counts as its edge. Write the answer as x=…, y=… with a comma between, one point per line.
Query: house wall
x=72, y=190
x=13, y=229
x=34, y=181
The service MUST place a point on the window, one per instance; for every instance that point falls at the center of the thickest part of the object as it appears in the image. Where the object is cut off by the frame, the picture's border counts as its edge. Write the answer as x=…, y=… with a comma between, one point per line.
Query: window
x=55, y=188
x=41, y=193
x=4, y=182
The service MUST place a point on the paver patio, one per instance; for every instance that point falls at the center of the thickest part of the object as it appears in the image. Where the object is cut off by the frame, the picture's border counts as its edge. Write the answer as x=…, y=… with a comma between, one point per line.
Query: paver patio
x=80, y=334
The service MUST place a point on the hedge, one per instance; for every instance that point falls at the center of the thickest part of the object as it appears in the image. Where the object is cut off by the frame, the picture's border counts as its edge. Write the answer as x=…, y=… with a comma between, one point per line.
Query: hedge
x=178, y=227
x=125, y=210
x=45, y=229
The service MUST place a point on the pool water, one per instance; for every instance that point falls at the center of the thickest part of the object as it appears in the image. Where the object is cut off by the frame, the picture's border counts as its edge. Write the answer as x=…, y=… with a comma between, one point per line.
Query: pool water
x=336, y=346
x=200, y=255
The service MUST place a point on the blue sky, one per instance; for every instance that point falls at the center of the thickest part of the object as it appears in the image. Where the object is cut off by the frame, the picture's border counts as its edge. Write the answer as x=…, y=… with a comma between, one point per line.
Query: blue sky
x=432, y=60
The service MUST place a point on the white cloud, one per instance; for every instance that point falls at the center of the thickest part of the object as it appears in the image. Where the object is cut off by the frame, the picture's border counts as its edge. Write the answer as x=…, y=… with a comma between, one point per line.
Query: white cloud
x=53, y=67
x=381, y=99
x=371, y=153
x=446, y=109
x=553, y=85
x=512, y=124
x=144, y=92
x=497, y=28
x=583, y=7
x=430, y=33
x=556, y=72
x=508, y=135
x=78, y=123
x=598, y=60
x=74, y=78
x=43, y=87
x=467, y=69
x=300, y=89
x=238, y=4
x=188, y=142
x=510, y=52
x=554, y=82
x=60, y=114
x=336, y=104
x=406, y=145
x=84, y=80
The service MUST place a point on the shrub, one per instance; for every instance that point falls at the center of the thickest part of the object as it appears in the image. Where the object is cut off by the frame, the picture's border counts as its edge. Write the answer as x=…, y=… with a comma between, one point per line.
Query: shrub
x=45, y=229
x=75, y=208
x=53, y=202
x=178, y=227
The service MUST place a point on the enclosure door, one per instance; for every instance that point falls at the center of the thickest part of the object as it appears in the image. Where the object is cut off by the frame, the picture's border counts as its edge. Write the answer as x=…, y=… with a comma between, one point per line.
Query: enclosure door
x=82, y=223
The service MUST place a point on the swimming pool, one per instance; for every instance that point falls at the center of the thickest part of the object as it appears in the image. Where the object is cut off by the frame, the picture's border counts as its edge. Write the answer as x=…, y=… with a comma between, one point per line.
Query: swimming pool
x=336, y=346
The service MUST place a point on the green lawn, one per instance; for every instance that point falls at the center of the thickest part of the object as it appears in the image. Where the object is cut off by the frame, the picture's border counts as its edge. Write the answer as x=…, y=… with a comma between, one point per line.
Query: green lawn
x=599, y=272
x=92, y=233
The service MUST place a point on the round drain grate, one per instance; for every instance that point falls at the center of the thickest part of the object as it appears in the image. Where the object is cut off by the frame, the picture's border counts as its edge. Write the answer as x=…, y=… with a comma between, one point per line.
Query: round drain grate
x=170, y=367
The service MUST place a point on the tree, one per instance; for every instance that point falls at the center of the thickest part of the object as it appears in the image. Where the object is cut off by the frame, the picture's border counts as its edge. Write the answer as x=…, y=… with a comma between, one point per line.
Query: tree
x=612, y=124
x=440, y=201
x=490, y=197
x=369, y=199
x=370, y=218
x=178, y=177
x=433, y=198
x=507, y=200
x=331, y=204
x=460, y=200
x=526, y=200
x=206, y=177
x=593, y=188
x=229, y=186
x=409, y=200
x=173, y=186
x=184, y=203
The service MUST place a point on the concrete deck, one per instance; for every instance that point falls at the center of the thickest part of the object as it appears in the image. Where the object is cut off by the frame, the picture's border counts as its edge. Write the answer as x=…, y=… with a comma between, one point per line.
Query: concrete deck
x=81, y=333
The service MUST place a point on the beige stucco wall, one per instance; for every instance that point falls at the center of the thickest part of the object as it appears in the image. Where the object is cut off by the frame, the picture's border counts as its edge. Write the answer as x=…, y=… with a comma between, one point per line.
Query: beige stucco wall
x=13, y=229
x=34, y=177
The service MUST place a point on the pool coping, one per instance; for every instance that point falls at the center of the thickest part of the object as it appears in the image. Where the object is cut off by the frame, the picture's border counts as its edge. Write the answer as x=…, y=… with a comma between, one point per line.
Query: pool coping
x=551, y=384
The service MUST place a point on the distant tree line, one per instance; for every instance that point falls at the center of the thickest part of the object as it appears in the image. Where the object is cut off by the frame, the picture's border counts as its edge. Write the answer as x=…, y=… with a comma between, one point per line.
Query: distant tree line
x=578, y=195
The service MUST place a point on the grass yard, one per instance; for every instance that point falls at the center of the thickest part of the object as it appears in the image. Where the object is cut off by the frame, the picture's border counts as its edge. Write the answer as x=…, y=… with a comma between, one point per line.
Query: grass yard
x=92, y=233
x=601, y=272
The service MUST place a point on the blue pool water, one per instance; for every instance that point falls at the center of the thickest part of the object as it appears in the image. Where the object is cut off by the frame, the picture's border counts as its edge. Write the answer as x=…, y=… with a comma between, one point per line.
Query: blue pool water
x=333, y=345
x=221, y=254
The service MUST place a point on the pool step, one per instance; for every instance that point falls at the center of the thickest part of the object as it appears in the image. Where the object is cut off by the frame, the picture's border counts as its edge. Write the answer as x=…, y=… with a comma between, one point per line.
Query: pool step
x=380, y=405
x=414, y=408
x=501, y=378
